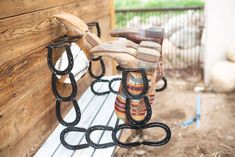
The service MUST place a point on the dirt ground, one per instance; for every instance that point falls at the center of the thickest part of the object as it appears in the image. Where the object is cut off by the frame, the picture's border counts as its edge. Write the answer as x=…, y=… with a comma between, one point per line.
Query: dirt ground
x=214, y=138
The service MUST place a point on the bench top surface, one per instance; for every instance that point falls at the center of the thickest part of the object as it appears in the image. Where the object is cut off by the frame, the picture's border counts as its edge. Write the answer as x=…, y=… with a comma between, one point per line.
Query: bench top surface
x=96, y=110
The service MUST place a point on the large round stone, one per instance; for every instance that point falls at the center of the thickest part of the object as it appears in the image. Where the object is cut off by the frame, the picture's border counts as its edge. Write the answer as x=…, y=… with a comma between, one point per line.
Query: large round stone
x=173, y=24
x=186, y=37
x=222, y=77
x=231, y=52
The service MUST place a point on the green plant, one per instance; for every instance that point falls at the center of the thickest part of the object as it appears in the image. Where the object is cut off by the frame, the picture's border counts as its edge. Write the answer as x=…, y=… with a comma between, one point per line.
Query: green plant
x=123, y=18
x=156, y=3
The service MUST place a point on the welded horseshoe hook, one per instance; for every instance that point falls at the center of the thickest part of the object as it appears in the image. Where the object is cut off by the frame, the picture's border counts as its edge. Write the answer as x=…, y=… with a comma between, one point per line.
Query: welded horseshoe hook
x=102, y=68
x=73, y=92
x=95, y=145
x=164, y=141
x=96, y=24
x=161, y=142
x=122, y=144
x=96, y=92
x=77, y=113
x=164, y=85
x=147, y=116
x=125, y=72
x=72, y=147
x=69, y=57
x=111, y=82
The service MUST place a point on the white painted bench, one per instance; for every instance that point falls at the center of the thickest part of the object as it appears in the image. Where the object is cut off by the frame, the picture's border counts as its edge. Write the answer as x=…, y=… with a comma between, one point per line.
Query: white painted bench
x=96, y=110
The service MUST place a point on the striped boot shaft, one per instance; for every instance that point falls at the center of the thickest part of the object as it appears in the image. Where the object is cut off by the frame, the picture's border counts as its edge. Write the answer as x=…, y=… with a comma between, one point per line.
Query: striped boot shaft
x=138, y=109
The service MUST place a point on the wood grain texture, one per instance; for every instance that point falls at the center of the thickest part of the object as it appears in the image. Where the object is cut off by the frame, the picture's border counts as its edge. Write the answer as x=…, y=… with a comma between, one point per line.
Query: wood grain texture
x=28, y=117
x=112, y=14
x=29, y=31
x=16, y=7
x=27, y=105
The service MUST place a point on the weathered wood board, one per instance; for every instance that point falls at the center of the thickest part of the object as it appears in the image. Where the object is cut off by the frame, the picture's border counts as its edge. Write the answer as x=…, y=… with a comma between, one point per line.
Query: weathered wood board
x=27, y=105
x=17, y=7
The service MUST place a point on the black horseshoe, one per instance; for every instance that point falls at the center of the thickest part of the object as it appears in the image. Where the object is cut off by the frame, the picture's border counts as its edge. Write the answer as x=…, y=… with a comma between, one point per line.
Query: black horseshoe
x=164, y=86
x=110, y=84
x=102, y=68
x=60, y=42
x=146, y=118
x=97, y=27
x=95, y=92
x=145, y=81
x=69, y=57
x=122, y=144
x=164, y=140
x=67, y=39
x=77, y=113
x=73, y=92
x=124, y=82
x=96, y=59
x=72, y=147
x=95, y=145
x=148, y=143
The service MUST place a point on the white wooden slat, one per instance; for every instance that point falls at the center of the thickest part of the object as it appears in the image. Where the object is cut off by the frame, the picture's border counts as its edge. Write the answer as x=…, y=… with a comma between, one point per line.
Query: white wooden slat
x=107, y=137
x=53, y=141
x=102, y=118
x=87, y=118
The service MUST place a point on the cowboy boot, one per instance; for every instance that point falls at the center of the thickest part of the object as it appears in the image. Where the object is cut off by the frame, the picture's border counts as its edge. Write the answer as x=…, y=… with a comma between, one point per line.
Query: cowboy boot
x=76, y=26
x=128, y=58
x=138, y=35
x=142, y=36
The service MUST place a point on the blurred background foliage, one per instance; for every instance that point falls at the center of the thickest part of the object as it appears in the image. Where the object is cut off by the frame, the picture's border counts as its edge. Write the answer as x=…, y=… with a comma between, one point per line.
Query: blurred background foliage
x=122, y=18
x=120, y=4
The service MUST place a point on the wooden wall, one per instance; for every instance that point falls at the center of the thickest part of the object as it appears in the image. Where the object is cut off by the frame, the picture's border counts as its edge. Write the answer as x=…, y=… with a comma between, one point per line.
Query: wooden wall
x=27, y=108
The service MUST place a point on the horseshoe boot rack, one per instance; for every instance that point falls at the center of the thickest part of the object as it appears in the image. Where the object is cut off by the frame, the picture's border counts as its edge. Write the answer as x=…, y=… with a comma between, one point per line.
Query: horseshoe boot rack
x=65, y=43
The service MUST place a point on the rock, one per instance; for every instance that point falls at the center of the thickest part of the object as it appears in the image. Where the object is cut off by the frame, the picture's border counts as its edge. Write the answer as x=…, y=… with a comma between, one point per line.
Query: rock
x=139, y=153
x=188, y=19
x=185, y=57
x=229, y=137
x=168, y=47
x=186, y=37
x=135, y=22
x=154, y=21
x=191, y=56
x=198, y=89
x=222, y=77
x=203, y=37
x=176, y=22
x=231, y=52
x=197, y=20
